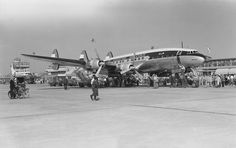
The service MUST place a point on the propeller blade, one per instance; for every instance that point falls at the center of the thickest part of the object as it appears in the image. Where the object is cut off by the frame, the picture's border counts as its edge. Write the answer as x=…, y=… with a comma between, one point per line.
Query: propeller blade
x=133, y=58
x=98, y=71
x=178, y=60
x=125, y=71
x=131, y=68
x=139, y=74
x=97, y=54
x=180, y=65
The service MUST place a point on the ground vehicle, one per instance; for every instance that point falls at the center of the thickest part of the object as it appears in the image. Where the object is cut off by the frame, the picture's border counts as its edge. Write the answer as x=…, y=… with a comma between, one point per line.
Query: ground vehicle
x=19, y=92
x=56, y=81
x=72, y=82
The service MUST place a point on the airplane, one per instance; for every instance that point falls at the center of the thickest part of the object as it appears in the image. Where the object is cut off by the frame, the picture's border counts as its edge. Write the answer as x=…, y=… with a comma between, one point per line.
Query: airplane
x=162, y=61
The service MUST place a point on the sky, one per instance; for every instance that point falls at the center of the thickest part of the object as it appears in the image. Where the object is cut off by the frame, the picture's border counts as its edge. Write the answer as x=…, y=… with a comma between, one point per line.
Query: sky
x=120, y=26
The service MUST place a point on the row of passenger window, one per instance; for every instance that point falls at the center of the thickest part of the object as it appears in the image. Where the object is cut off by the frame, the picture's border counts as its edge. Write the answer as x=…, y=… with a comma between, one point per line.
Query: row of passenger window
x=154, y=56
x=127, y=60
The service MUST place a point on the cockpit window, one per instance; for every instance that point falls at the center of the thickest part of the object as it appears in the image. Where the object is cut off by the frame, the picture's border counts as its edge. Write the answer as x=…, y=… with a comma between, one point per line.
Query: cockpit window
x=191, y=52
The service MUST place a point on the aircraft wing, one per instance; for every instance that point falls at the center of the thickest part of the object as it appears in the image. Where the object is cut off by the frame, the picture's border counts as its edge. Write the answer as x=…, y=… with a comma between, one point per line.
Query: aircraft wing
x=60, y=61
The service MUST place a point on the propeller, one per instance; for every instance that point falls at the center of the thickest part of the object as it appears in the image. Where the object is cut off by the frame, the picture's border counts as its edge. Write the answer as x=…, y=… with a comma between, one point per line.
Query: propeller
x=132, y=67
x=133, y=58
x=101, y=63
x=125, y=71
x=98, y=57
x=100, y=68
x=139, y=74
x=181, y=66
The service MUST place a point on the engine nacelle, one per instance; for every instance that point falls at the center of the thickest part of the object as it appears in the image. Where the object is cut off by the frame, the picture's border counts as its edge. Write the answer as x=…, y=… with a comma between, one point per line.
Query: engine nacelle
x=94, y=64
x=126, y=67
x=55, y=66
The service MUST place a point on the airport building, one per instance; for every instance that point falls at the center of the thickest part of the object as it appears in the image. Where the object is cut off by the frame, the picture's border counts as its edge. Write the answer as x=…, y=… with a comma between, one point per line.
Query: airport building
x=218, y=66
x=62, y=71
x=20, y=68
x=5, y=78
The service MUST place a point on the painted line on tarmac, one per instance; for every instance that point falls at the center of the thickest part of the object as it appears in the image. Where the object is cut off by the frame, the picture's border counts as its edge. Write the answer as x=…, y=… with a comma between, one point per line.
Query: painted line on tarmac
x=186, y=110
x=54, y=113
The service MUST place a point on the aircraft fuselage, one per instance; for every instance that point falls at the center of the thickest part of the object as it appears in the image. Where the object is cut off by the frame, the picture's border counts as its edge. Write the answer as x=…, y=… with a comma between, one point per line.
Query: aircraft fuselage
x=159, y=59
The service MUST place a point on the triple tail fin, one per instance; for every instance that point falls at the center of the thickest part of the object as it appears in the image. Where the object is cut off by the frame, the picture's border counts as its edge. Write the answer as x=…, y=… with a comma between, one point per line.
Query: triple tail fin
x=109, y=55
x=55, y=54
x=84, y=56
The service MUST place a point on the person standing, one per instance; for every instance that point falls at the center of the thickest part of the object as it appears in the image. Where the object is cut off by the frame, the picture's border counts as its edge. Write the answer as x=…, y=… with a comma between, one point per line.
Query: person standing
x=13, y=89
x=156, y=81
x=94, y=84
x=65, y=83
x=222, y=80
x=12, y=85
x=172, y=76
x=217, y=81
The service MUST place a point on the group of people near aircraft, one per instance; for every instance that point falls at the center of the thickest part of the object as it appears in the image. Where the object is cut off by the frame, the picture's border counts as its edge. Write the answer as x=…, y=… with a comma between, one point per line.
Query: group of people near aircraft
x=217, y=80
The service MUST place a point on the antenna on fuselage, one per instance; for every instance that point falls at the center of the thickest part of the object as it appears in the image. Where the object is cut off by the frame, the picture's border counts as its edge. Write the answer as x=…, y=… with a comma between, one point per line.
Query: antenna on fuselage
x=182, y=44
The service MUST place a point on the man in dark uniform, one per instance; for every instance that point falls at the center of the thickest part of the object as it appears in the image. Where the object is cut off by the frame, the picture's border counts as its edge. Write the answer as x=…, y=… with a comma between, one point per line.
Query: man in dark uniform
x=12, y=92
x=65, y=83
x=12, y=84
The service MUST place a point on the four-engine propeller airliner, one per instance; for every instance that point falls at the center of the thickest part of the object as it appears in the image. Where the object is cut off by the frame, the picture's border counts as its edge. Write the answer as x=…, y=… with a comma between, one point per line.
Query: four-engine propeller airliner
x=159, y=61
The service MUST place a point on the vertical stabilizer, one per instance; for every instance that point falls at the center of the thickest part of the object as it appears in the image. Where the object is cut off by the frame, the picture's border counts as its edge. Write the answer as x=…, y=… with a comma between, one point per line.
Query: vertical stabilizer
x=55, y=66
x=109, y=55
x=84, y=56
x=55, y=54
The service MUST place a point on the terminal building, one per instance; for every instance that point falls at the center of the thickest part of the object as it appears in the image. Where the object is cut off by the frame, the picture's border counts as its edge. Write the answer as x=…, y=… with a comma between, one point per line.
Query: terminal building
x=218, y=66
x=20, y=68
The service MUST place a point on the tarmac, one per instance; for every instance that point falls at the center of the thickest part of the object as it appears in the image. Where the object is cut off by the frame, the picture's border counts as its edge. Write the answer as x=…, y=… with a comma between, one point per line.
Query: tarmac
x=135, y=117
